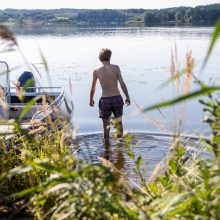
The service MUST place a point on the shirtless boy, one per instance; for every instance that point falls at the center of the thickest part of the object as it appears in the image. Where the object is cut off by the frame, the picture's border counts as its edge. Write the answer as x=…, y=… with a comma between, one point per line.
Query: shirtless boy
x=111, y=101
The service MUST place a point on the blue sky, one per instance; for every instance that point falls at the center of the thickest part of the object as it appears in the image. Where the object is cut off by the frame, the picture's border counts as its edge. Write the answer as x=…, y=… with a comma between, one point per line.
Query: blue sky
x=150, y=4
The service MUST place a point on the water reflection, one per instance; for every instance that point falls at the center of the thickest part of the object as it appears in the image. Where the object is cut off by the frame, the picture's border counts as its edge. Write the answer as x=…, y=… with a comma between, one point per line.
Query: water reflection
x=92, y=147
x=69, y=30
x=152, y=147
x=116, y=157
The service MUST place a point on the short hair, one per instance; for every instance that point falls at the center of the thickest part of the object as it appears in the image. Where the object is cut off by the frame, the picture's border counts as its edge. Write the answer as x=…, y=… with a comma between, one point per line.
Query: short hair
x=105, y=54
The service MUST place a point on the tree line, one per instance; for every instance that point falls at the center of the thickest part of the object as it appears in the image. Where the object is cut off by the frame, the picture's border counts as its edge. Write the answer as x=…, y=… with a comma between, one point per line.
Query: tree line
x=201, y=15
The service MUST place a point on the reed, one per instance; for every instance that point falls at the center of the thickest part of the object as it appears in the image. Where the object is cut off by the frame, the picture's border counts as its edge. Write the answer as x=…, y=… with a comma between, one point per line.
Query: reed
x=180, y=80
x=181, y=83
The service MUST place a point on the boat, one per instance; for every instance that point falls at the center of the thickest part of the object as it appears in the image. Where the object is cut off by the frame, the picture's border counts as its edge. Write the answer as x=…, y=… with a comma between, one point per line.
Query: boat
x=27, y=102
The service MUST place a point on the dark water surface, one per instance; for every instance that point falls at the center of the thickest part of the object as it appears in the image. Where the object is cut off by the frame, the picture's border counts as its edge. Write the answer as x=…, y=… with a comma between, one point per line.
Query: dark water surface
x=152, y=147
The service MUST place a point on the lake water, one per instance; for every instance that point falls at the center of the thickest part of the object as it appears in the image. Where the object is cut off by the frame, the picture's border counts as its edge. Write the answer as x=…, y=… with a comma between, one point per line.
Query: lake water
x=144, y=56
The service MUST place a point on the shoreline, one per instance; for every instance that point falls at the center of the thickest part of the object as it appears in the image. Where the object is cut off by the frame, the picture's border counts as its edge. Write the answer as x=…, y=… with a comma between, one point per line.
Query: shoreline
x=148, y=133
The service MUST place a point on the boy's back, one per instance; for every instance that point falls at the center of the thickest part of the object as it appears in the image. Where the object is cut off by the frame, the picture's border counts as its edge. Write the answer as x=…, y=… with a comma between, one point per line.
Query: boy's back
x=108, y=76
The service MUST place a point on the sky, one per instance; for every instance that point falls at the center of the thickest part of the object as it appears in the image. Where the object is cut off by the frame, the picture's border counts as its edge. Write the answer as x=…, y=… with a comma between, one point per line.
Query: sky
x=96, y=4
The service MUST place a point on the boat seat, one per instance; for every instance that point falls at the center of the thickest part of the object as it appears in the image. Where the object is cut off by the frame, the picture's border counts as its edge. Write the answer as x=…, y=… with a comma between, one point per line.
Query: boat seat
x=27, y=78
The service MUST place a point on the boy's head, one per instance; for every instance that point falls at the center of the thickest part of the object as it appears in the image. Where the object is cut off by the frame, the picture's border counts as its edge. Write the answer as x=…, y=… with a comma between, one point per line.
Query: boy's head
x=105, y=55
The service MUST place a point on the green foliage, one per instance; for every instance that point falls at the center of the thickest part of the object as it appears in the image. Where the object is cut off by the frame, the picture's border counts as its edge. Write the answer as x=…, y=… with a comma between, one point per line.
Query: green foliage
x=42, y=172
x=104, y=16
x=195, y=94
x=215, y=36
x=201, y=15
x=212, y=109
x=87, y=192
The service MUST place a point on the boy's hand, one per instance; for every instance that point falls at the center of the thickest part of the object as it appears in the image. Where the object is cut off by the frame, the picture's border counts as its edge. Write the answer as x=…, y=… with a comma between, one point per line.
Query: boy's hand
x=92, y=103
x=127, y=101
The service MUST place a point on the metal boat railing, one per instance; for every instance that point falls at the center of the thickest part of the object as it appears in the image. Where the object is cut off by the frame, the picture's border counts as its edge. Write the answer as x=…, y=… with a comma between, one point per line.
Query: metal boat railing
x=38, y=90
x=5, y=73
x=50, y=108
x=41, y=91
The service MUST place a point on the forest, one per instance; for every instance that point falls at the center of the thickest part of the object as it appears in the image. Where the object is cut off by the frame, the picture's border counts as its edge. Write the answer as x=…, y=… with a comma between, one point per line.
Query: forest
x=185, y=16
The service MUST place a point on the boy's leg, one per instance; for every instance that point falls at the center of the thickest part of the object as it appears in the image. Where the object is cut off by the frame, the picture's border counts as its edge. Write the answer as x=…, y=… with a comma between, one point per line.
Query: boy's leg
x=119, y=127
x=104, y=114
x=106, y=129
x=117, y=110
x=120, y=130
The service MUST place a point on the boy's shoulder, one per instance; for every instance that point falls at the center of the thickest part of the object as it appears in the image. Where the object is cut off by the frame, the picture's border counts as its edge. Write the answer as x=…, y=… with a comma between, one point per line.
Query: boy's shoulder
x=96, y=69
x=100, y=68
x=115, y=66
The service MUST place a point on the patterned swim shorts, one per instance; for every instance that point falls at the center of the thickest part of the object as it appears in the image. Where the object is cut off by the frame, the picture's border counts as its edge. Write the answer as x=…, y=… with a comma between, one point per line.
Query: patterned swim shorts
x=109, y=105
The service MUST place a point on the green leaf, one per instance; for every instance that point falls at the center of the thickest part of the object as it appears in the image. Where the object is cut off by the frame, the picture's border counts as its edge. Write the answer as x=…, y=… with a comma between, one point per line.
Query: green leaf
x=139, y=161
x=216, y=139
x=203, y=91
x=207, y=103
x=215, y=35
x=207, y=110
x=27, y=107
x=50, y=167
x=173, y=166
x=19, y=170
x=163, y=180
x=43, y=60
x=173, y=202
x=28, y=83
x=25, y=192
x=38, y=188
x=130, y=154
x=154, y=187
x=171, y=79
x=136, y=171
x=128, y=139
x=180, y=151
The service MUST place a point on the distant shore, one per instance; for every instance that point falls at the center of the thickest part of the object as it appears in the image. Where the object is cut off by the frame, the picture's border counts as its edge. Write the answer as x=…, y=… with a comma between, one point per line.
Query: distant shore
x=180, y=16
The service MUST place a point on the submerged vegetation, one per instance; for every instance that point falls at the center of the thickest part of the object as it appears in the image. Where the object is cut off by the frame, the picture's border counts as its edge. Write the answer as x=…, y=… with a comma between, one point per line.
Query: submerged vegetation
x=201, y=15
x=40, y=177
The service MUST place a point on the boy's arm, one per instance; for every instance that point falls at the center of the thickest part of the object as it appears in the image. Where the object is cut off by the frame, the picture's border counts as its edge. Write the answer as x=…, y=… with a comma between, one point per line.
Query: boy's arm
x=92, y=91
x=123, y=87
